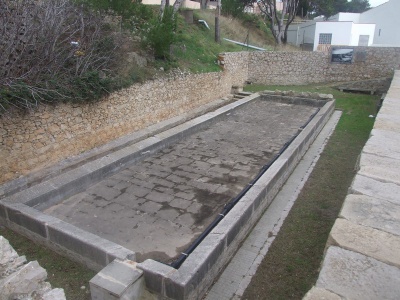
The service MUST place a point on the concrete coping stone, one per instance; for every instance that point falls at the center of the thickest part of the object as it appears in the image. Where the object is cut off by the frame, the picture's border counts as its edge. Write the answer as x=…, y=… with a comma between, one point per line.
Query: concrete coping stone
x=195, y=274
x=115, y=278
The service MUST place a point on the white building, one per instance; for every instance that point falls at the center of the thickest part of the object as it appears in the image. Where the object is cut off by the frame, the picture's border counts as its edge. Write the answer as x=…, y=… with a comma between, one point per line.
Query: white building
x=387, y=19
x=376, y=27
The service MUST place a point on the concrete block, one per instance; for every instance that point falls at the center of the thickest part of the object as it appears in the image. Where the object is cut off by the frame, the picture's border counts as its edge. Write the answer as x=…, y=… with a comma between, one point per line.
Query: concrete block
x=28, y=218
x=89, y=246
x=372, y=212
x=374, y=188
x=197, y=270
x=3, y=213
x=147, y=143
x=115, y=251
x=118, y=280
x=154, y=275
x=355, y=276
x=371, y=242
x=244, y=215
x=256, y=195
x=320, y=294
x=380, y=168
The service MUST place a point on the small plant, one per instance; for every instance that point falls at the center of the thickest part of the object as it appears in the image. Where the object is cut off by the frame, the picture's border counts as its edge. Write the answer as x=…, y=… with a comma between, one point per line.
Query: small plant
x=161, y=34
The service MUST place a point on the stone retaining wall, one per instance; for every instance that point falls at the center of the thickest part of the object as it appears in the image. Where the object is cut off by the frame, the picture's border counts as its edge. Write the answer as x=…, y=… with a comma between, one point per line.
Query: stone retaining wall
x=362, y=258
x=291, y=68
x=50, y=133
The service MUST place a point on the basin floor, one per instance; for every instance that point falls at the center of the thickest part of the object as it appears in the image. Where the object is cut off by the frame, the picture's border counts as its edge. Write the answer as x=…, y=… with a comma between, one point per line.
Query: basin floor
x=158, y=206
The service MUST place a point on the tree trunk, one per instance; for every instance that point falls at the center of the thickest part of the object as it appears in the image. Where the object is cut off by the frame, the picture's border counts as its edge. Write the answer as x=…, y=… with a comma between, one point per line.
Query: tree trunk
x=217, y=27
x=280, y=35
x=162, y=8
x=177, y=4
x=203, y=4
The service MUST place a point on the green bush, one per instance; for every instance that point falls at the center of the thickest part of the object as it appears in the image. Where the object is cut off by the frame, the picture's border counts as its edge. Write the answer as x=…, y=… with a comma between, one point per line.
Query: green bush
x=72, y=54
x=234, y=8
x=161, y=34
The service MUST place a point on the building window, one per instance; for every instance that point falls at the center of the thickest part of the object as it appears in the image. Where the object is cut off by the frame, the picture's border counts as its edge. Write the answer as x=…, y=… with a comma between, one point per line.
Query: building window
x=325, y=38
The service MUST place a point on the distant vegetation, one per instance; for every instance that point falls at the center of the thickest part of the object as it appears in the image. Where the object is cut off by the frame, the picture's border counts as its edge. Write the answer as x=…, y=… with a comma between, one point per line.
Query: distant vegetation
x=80, y=50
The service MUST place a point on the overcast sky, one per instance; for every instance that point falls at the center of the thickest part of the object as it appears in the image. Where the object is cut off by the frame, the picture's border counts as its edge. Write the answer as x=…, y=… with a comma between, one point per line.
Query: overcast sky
x=374, y=3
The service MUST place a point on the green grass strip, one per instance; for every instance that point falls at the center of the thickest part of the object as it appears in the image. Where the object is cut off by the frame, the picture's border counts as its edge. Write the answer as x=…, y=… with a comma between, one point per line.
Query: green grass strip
x=291, y=266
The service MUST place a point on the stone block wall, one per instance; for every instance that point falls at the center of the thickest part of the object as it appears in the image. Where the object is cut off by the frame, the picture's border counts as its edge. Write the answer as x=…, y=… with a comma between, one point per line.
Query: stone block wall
x=38, y=138
x=292, y=68
x=33, y=140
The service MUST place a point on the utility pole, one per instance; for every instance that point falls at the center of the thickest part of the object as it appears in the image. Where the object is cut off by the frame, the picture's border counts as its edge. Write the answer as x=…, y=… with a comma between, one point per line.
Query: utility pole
x=217, y=14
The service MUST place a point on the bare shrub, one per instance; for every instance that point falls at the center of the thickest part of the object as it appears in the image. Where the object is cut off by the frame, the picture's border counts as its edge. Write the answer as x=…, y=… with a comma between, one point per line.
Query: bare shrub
x=52, y=50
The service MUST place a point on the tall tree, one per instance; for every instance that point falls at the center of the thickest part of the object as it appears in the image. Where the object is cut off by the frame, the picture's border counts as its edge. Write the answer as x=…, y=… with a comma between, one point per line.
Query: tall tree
x=279, y=21
x=329, y=8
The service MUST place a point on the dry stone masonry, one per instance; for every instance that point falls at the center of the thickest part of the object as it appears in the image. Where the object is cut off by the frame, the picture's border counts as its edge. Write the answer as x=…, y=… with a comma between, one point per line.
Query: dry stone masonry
x=22, y=280
x=33, y=140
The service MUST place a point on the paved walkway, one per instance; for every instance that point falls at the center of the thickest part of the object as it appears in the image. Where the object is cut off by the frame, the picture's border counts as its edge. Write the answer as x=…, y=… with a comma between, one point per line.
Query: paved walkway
x=362, y=260
x=158, y=206
x=238, y=273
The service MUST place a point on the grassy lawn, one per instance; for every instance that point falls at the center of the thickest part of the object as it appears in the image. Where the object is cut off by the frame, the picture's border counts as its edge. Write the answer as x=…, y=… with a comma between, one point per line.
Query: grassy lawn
x=292, y=264
x=61, y=272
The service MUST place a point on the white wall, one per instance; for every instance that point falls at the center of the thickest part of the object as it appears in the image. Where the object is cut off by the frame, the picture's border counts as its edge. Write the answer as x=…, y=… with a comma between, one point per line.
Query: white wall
x=341, y=32
x=185, y=4
x=387, y=19
x=345, y=17
x=301, y=33
x=362, y=29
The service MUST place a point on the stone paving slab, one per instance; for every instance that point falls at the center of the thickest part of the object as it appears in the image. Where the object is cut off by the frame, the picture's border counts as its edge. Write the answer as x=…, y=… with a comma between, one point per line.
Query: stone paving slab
x=388, y=122
x=159, y=205
x=390, y=139
x=371, y=242
x=358, y=277
x=321, y=294
x=384, y=169
x=371, y=187
x=372, y=212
